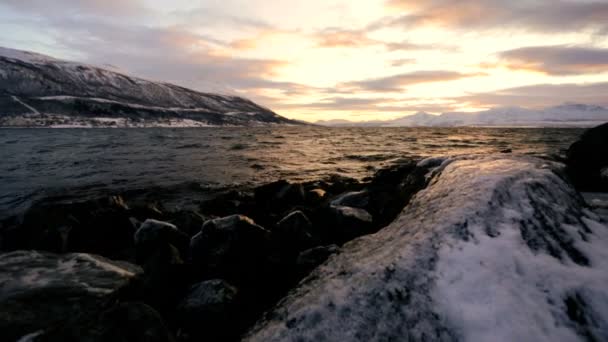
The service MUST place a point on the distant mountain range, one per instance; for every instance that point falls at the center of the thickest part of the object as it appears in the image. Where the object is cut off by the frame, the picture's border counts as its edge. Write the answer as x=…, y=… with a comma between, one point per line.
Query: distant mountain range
x=567, y=115
x=37, y=90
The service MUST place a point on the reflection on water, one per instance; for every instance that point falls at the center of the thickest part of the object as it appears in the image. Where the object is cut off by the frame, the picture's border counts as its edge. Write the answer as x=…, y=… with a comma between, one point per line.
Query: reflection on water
x=39, y=162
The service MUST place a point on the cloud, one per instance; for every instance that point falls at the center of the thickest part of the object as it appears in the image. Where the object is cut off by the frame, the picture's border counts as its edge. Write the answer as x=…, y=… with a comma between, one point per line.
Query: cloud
x=558, y=60
x=402, y=62
x=396, y=83
x=337, y=37
x=541, y=95
x=540, y=15
x=66, y=8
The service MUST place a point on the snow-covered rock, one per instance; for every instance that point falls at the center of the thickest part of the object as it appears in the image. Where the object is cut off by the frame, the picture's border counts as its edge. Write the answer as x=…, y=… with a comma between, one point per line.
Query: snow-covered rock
x=495, y=249
x=37, y=90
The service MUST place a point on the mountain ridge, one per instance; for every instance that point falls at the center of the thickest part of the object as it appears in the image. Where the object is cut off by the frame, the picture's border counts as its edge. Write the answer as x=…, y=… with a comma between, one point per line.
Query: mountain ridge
x=565, y=115
x=38, y=90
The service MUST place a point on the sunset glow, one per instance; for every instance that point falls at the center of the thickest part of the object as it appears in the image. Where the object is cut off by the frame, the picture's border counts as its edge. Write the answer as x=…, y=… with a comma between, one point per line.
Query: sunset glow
x=338, y=59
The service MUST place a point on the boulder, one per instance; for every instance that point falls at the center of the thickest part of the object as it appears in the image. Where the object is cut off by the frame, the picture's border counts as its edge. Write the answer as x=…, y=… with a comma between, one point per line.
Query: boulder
x=294, y=231
x=311, y=258
x=161, y=250
x=41, y=291
x=348, y=222
x=100, y=226
x=586, y=159
x=232, y=247
x=153, y=235
x=315, y=195
x=189, y=222
x=207, y=311
x=355, y=199
x=129, y=321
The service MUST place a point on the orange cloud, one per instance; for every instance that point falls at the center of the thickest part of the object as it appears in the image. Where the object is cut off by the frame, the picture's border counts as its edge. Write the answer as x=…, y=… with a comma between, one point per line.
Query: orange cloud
x=540, y=15
x=397, y=83
x=557, y=60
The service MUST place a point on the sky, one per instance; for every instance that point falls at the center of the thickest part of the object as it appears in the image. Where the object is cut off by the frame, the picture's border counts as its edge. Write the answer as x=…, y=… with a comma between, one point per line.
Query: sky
x=336, y=59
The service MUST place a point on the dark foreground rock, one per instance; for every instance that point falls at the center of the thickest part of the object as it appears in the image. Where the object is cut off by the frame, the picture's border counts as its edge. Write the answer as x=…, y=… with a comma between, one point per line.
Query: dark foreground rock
x=43, y=292
x=587, y=160
x=208, y=311
x=495, y=249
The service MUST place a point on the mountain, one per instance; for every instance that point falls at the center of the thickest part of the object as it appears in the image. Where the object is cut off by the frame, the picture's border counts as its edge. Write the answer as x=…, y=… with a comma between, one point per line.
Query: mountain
x=37, y=90
x=567, y=115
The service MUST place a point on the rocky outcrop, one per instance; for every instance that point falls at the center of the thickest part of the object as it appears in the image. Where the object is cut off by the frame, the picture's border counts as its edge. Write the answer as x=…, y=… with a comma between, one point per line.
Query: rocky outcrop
x=587, y=160
x=208, y=311
x=495, y=248
x=44, y=292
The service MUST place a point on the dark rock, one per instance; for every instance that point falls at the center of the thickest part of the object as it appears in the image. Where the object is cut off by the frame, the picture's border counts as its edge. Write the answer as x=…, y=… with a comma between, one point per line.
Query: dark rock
x=355, y=199
x=227, y=203
x=348, y=223
x=208, y=311
x=98, y=226
x=279, y=195
x=189, y=222
x=294, y=231
x=152, y=235
x=586, y=159
x=315, y=195
x=41, y=291
x=231, y=247
x=506, y=150
x=311, y=258
x=161, y=249
x=337, y=184
x=129, y=321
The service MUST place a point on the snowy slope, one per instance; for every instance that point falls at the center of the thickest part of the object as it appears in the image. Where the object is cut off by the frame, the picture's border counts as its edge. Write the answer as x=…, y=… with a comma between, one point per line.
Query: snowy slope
x=564, y=115
x=495, y=249
x=58, y=89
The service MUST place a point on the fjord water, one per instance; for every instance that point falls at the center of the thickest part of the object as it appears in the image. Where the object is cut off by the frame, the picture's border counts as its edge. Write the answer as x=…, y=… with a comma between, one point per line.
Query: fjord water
x=83, y=163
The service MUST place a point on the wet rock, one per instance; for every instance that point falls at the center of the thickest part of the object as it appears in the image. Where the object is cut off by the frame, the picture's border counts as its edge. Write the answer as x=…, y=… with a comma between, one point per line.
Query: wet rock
x=311, y=258
x=99, y=226
x=315, y=195
x=207, y=311
x=294, y=231
x=355, y=199
x=161, y=250
x=231, y=247
x=153, y=235
x=129, y=321
x=586, y=159
x=279, y=196
x=349, y=222
x=228, y=203
x=41, y=291
x=337, y=184
x=189, y=222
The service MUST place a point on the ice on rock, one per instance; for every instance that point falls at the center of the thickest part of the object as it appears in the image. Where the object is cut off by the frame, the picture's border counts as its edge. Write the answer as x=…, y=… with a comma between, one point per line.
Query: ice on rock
x=494, y=249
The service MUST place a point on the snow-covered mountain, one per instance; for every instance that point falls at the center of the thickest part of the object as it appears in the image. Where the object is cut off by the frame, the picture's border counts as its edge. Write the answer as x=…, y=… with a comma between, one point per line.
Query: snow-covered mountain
x=37, y=90
x=560, y=116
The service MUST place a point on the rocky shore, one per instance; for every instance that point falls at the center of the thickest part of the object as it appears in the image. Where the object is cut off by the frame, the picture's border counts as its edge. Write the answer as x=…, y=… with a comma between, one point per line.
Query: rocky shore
x=188, y=275
x=437, y=249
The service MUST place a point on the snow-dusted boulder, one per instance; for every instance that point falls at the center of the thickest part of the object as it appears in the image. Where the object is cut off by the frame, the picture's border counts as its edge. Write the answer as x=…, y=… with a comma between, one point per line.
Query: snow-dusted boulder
x=494, y=249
